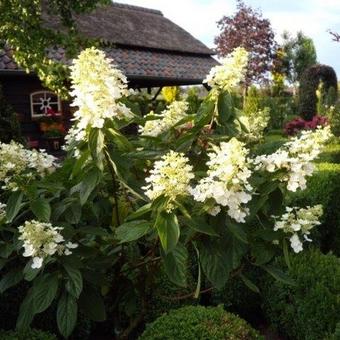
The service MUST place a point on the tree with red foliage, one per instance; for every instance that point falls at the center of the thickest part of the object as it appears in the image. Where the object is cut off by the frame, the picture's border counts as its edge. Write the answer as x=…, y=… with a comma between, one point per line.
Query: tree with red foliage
x=247, y=28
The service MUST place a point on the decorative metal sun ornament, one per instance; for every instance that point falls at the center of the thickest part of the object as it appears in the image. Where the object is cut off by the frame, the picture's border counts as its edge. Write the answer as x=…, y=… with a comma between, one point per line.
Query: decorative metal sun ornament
x=45, y=104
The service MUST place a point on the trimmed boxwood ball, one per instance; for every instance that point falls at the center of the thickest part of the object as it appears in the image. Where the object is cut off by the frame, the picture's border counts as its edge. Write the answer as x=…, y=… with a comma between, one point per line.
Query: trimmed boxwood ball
x=198, y=322
x=310, y=309
x=33, y=334
x=309, y=83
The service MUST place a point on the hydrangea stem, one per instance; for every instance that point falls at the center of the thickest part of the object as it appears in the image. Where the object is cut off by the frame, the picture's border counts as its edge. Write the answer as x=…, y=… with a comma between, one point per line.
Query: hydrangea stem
x=115, y=187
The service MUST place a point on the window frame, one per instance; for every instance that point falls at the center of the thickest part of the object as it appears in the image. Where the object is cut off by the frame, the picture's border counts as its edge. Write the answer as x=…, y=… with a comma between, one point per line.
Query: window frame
x=45, y=94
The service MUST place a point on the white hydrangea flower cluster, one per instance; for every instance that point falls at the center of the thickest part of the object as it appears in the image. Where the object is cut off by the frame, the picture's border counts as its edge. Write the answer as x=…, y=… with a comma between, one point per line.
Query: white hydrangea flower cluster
x=296, y=157
x=298, y=222
x=255, y=123
x=97, y=88
x=20, y=163
x=170, y=177
x=169, y=117
x=2, y=211
x=230, y=73
x=41, y=240
x=227, y=180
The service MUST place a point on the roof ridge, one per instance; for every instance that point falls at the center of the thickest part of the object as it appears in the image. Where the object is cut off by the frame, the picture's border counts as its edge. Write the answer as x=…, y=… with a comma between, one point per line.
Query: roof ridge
x=136, y=8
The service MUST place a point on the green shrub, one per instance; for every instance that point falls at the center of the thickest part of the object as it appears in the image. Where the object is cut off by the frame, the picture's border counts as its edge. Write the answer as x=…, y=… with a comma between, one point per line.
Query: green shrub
x=280, y=109
x=310, y=309
x=33, y=334
x=309, y=83
x=323, y=188
x=198, y=322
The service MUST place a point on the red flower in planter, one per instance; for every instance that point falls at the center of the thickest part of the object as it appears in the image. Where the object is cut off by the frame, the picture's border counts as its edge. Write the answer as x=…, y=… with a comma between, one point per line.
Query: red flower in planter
x=52, y=113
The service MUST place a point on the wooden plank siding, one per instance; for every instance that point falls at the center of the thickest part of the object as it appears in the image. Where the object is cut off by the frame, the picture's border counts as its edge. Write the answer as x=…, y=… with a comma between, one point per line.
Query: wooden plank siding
x=17, y=90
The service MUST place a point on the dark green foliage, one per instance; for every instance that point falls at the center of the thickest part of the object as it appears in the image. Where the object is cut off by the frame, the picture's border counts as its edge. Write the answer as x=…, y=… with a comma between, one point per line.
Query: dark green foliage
x=164, y=297
x=279, y=107
x=323, y=188
x=310, y=81
x=310, y=309
x=197, y=322
x=10, y=302
x=46, y=321
x=9, y=125
x=238, y=298
x=336, y=334
x=33, y=334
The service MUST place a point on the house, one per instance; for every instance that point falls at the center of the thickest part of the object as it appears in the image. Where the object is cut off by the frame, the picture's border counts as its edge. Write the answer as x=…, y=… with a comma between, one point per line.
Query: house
x=151, y=50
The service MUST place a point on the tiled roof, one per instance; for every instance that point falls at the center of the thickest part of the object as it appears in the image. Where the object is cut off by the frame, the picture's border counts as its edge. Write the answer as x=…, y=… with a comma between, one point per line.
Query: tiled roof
x=6, y=59
x=140, y=63
x=142, y=42
x=157, y=64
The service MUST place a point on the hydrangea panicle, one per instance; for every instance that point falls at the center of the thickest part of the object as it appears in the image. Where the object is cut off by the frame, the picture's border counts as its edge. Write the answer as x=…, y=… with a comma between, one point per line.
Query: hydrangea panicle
x=97, y=88
x=170, y=177
x=298, y=222
x=169, y=117
x=227, y=180
x=296, y=157
x=230, y=73
x=256, y=124
x=41, y=240
x=18, y=163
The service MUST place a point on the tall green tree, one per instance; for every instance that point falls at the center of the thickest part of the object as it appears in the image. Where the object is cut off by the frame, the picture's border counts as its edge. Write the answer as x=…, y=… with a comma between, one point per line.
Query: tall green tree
x=299, y=53
x=22, y=27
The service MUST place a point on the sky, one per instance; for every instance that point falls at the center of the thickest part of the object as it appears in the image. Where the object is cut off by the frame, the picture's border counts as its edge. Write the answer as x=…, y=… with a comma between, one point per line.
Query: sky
x=313, y=17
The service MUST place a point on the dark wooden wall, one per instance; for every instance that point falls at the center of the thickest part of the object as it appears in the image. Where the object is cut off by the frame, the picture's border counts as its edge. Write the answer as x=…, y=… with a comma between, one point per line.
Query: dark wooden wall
x=17, y=90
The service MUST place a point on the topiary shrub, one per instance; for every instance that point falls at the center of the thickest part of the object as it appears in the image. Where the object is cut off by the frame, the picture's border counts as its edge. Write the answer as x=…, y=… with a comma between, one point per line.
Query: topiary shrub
x=323, y=188
x=309, y=83
x=198, y=322
x=33, y=334
x=310, y=309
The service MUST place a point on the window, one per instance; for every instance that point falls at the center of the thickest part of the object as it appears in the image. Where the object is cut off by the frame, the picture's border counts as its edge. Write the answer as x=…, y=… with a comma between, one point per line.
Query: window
x=43, y=102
